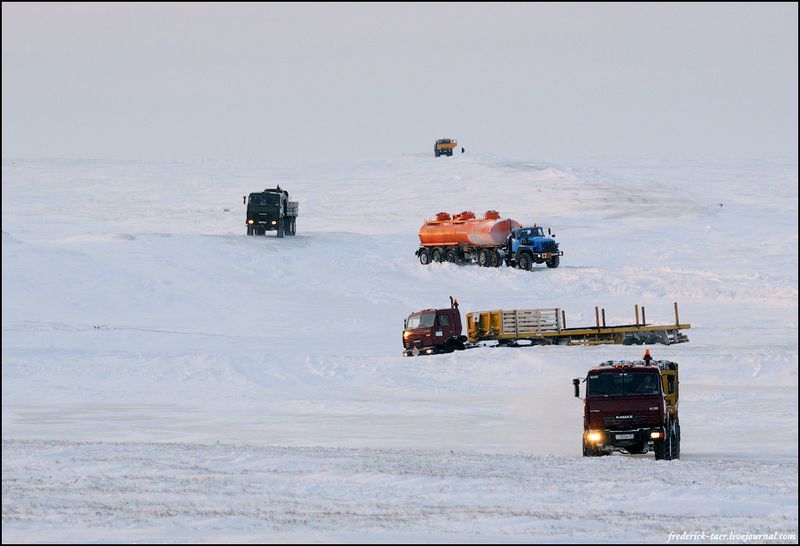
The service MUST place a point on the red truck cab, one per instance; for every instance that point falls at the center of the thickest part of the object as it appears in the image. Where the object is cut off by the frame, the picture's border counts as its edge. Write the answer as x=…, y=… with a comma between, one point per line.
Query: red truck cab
x=433, y=331
x=631, y=407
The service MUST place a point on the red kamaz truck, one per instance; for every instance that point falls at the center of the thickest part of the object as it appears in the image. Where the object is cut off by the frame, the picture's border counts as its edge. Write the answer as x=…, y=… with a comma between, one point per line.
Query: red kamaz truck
x=433, y=331
x=631, y=407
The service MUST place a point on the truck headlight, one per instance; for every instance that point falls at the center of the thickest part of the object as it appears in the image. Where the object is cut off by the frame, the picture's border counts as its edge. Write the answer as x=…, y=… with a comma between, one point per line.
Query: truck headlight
x=594, y=436
x=274, y=222
x=250, y=221
x=656, y=435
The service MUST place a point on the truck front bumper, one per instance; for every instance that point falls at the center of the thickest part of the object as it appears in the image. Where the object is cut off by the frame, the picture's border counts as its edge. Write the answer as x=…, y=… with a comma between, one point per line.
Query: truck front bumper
x=547, y=255
x=621, y=439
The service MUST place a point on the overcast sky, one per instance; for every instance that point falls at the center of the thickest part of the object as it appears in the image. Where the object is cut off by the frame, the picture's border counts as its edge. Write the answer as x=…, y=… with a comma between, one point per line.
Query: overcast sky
x=540, y=82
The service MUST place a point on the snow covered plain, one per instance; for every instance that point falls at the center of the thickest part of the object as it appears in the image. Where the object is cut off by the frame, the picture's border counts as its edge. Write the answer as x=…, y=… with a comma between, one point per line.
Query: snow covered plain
x=166, y=378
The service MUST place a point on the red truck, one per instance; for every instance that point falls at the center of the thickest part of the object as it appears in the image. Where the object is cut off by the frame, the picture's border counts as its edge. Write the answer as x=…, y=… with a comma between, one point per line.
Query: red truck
x=433, y=331
x=631, y=407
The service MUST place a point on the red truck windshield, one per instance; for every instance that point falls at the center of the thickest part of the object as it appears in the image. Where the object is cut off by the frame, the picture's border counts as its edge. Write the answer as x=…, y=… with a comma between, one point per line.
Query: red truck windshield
x=622, y=384
x=425, y=320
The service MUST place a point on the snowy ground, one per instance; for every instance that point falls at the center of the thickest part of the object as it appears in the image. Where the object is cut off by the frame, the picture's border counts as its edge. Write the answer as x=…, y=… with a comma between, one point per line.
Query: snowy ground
x=166, y=378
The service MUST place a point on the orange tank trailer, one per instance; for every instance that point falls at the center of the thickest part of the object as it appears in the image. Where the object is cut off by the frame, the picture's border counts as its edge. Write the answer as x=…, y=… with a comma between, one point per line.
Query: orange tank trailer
x=466, y=229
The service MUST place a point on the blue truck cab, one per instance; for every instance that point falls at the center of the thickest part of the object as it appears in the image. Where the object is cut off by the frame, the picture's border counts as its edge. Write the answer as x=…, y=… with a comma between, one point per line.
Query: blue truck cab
x=527, y=245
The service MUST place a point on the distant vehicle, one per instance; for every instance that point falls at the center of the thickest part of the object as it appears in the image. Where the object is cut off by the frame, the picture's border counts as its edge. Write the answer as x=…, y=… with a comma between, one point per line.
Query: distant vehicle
x=444, y=146
x=631, y=406
x=271, y=210
x=489, y=241
x=433, y=331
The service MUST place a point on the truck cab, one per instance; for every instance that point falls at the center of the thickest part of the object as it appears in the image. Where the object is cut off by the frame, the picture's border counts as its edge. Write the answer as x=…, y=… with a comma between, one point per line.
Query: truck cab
x=271, y=210
x=433, y=331
x=529, y=245
x=632, y=407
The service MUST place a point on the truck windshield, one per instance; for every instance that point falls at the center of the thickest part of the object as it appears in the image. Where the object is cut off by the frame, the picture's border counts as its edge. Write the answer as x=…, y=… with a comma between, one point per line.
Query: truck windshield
x=622, y=384
x=261, y=199
x=425, y=320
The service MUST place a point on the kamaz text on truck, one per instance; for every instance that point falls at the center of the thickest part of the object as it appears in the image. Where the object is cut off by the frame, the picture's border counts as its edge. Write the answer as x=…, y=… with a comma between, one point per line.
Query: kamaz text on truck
x=631, y=407
x=271, y=210
x=490, y=241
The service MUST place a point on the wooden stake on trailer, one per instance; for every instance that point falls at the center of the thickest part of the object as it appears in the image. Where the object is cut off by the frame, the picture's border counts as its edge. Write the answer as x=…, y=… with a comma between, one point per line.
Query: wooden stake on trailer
x=563, y=318
x=644, y=320
x=596, y=317
x=676, y=314
x=637, y=314
x=604, y=317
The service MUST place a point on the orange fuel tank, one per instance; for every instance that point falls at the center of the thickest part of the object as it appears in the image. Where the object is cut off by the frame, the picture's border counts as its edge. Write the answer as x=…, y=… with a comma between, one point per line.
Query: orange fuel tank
x=466, y=229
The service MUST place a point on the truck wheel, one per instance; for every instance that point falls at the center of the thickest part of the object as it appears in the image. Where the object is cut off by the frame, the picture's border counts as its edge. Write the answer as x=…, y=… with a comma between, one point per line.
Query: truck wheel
x=292, y=229
x=676, y=443
x=663, y=448
x=249, y=230
x=451, y=255
x=424, y=256
x=497, y=261
x=524, y=262
x=553, y=262
x=437, y=255
x=483, y=258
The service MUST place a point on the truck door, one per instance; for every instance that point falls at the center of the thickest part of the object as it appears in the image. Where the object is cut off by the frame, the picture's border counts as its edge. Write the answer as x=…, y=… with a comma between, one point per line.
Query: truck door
x=444, y=327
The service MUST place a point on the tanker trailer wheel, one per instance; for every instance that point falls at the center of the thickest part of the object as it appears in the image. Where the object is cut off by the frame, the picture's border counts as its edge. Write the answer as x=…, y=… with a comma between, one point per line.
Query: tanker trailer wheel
x=553, y=262
x=524, y=262
x=424, y=256
x=451, y=256
x=437, y=255
x=483, y=258
x=496, y=260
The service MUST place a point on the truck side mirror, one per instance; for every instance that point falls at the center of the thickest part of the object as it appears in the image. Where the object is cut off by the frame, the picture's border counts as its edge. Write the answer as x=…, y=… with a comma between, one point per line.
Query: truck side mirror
x=576, y=383
x=244, y=199
x=548, y=231
x=405, y=324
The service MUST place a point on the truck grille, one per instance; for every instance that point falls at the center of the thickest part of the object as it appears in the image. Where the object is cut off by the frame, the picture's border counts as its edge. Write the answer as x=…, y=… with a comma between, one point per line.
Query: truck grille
x=549, y=246
x=624, y=424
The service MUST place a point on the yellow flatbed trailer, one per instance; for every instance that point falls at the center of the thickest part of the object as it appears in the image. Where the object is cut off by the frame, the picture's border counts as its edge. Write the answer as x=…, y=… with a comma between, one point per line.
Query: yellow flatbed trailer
x=548, y=327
